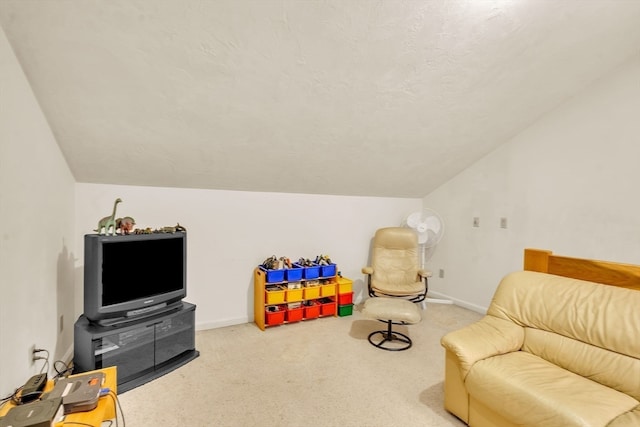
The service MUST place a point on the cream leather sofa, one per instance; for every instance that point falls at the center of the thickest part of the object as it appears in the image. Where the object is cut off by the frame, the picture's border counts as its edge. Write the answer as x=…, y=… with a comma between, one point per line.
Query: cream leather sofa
x=551, y=351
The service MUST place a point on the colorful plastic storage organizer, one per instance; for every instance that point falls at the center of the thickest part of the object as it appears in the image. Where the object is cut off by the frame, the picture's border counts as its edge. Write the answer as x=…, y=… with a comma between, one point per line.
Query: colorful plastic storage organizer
x=300, y=293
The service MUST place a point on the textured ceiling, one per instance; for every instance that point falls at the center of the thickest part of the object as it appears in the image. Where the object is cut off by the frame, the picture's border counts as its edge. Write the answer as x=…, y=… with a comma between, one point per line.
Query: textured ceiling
x=354, y=97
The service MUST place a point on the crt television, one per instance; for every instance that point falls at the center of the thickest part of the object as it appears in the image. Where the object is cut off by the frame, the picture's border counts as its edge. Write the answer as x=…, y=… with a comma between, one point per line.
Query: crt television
x=128, y=276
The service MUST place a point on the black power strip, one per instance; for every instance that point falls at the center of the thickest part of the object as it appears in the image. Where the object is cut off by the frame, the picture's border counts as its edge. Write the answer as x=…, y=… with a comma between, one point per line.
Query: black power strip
x=32, y=389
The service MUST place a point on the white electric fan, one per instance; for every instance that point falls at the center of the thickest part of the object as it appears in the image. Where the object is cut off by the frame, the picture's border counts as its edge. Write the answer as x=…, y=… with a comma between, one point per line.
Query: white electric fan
x=429, y=227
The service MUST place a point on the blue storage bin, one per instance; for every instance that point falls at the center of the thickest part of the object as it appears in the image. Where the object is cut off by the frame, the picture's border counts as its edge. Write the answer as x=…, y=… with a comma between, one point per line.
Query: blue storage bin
x=328, y=270
x=294, y=273
x=273, y=276
x=312, y=272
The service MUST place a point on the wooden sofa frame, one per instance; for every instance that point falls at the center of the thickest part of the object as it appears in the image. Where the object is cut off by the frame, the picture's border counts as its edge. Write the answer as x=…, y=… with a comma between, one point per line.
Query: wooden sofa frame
x=605, y=272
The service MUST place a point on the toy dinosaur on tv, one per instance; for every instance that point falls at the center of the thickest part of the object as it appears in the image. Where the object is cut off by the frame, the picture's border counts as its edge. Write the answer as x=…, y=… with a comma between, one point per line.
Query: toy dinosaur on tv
x=109, y=222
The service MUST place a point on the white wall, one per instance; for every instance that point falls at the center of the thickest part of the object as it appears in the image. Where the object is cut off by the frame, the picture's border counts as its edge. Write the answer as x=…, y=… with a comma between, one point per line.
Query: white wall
x=229, y=233
x=569, y=184
x=36, y=232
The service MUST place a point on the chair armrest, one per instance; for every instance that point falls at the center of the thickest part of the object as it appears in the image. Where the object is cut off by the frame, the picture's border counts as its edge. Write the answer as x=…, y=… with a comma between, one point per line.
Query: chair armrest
x=490, y=336
x=424, y=273
x=367, y=270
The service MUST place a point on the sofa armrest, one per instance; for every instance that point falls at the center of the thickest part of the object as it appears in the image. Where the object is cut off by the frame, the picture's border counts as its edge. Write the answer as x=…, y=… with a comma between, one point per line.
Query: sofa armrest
x=490, y=336
x=367, y=270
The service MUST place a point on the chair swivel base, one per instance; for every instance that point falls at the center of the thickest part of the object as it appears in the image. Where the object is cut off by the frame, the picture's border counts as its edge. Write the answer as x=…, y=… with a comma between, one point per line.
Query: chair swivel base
x=389, y=337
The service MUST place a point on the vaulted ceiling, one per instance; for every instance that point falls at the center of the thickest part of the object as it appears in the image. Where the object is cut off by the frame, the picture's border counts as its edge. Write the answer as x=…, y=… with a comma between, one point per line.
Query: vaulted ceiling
x=354, y=97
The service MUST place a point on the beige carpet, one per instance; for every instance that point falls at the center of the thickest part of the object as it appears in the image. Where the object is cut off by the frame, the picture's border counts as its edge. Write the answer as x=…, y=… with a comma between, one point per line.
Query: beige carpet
x=321, y=372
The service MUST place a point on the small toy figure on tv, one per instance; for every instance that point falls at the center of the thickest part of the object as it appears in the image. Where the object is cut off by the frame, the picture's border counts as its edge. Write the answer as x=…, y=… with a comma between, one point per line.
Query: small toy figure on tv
x=109, y=222
x=125, y=225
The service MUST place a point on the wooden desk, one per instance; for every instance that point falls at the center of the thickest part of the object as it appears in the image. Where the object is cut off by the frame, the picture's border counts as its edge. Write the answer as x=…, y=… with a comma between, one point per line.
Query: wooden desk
x=106, y=409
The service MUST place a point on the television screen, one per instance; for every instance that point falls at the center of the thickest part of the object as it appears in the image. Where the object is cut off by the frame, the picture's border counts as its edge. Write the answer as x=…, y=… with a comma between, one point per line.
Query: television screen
x=140, y=269
x=132, y=275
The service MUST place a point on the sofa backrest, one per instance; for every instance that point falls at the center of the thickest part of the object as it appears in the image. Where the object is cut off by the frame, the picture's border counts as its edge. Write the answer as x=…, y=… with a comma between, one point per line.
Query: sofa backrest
x=588, y=328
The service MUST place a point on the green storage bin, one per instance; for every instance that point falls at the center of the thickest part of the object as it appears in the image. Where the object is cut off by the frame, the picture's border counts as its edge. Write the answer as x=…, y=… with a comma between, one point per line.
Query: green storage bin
x=345, y=310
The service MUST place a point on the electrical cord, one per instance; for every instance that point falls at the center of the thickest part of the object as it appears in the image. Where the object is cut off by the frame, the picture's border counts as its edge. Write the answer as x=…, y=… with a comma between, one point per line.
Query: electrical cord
x=78, y=423
x=68, y=368
x=117, y=406
x=46, y=359
x=11, y=398
x=14, y=397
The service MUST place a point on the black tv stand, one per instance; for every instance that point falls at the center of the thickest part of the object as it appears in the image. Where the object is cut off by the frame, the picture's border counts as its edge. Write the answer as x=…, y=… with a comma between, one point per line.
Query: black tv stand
x=143, y=348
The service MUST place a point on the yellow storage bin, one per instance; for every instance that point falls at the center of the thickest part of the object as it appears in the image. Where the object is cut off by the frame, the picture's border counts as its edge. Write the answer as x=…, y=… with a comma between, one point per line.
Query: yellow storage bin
x=294, y=294
x=328, y=290
x=274, y=295
x=344, y=285
x=311, y=292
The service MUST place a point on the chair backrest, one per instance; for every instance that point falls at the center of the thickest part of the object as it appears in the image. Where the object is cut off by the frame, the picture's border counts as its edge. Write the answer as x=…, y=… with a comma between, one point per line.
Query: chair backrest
x=394, y=257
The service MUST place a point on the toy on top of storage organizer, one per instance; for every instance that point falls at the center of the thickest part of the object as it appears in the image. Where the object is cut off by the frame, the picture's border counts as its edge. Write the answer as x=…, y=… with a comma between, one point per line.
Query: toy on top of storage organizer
x=280, y=269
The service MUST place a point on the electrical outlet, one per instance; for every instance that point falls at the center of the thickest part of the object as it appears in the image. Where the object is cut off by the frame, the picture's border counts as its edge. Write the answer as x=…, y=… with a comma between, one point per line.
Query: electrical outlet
x=32, y=354
x=441, y=273
x=476, y=221
x=503, y=222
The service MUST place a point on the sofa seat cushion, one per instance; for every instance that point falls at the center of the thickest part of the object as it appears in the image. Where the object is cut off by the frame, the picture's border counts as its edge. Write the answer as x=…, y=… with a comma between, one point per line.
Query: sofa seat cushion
x=531, y=391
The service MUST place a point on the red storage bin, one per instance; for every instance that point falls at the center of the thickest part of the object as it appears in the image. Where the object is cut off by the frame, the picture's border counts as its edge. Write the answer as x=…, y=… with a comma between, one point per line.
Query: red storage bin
x=294, y=314
x=274, y=316
x=328, y=308
x=312, y=310
x=344, y=299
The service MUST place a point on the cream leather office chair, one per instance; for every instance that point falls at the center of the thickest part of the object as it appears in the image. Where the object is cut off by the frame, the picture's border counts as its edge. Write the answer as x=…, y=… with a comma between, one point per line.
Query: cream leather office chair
x=395, y=269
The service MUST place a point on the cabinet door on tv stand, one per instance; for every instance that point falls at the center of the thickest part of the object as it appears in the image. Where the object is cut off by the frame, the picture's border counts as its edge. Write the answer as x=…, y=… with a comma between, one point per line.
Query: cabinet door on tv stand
x=175, y=336
x=130, y=350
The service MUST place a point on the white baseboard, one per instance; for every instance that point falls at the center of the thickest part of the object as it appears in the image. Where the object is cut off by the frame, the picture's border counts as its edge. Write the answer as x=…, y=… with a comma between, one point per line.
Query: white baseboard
x=459, y=302
x=203, y=326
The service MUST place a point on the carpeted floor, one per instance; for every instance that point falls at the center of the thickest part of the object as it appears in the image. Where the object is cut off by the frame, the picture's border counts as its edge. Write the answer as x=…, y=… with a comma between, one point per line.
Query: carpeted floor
x=321, y=372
